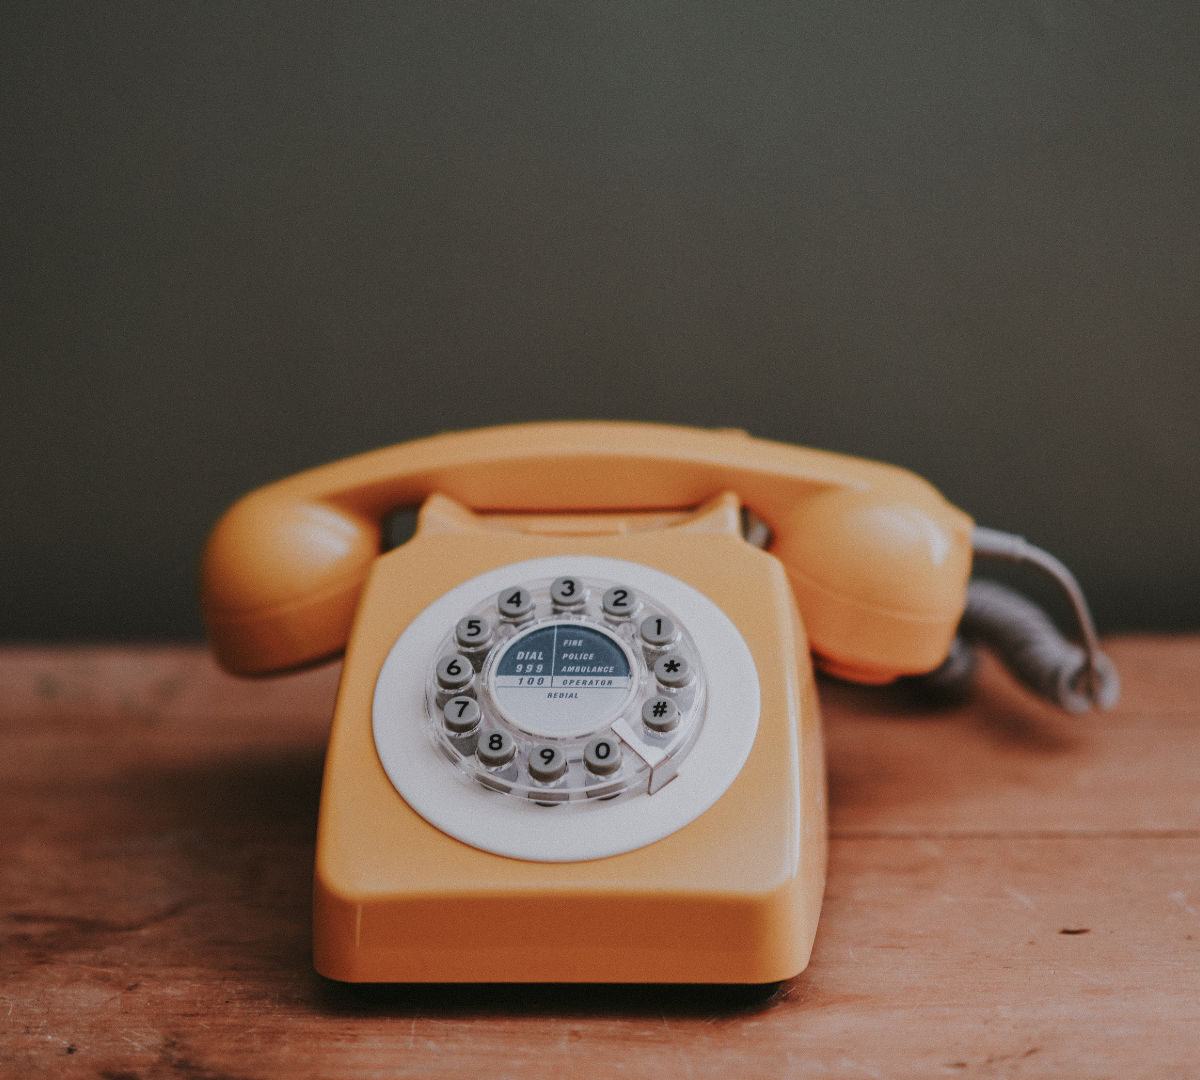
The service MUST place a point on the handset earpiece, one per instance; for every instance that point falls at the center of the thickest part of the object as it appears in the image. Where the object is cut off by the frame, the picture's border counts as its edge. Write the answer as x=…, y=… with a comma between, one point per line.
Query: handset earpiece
x=280, y=581
x=880, y=580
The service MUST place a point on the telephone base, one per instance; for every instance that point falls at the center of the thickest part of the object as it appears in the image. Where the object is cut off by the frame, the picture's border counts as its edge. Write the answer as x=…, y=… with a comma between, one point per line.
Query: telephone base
x=727, y=892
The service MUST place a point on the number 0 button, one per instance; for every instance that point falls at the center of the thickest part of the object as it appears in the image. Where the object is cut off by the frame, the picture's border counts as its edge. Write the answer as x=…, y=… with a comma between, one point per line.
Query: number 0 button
x=515, y=603
x=602, y=756
x=547, y=763
x=454, y=672
x=495, y=748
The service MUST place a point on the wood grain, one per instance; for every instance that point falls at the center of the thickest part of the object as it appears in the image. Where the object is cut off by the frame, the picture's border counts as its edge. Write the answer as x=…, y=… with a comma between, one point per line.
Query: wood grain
x=1011, y=893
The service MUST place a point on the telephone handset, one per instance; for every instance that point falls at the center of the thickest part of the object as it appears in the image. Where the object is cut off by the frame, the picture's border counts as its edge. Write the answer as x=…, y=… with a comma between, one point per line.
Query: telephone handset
x=576, y=737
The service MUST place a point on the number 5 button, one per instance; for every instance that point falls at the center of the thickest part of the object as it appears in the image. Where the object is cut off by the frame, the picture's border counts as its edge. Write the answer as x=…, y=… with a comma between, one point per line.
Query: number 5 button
x=472, y=632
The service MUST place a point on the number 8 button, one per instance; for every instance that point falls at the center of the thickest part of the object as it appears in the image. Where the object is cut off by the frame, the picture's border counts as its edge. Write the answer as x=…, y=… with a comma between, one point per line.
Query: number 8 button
x=496, y=748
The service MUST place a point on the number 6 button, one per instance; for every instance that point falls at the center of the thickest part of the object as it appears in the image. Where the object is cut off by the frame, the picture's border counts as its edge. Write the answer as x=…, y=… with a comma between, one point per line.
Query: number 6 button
x=454, y=672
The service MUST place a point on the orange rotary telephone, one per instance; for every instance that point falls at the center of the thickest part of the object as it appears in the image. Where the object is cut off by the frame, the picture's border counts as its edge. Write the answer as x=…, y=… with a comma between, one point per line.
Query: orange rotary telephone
x=577, y=737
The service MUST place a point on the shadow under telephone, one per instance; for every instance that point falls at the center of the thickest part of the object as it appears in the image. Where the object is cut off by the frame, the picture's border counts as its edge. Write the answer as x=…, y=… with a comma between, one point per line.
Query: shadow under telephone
x=577, y=735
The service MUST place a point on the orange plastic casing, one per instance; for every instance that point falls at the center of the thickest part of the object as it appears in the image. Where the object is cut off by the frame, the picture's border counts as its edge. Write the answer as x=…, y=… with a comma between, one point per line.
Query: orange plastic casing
x=877, y=559
x=732, y=897
x=868, y=568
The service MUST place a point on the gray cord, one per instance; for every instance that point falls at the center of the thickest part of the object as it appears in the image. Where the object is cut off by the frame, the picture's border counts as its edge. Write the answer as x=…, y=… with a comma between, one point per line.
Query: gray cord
x=952, y=680
x=994, y=544
x=1073, y=677
x=1031, y=647
x=1090, y=678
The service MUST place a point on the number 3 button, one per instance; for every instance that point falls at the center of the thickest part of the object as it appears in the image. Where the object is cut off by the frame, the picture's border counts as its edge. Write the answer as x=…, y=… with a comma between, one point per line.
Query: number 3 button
x=567, y=592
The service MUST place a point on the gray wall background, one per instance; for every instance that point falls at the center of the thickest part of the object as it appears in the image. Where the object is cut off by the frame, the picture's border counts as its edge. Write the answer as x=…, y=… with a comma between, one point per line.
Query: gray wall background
x=242, y=239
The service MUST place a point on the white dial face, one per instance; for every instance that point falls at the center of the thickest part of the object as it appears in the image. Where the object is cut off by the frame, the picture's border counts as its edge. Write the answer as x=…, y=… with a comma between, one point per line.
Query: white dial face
x=561, y=678
x=566, y=708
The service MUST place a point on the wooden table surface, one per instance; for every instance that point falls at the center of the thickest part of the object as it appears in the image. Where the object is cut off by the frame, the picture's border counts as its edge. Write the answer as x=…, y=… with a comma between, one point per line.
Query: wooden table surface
x=1011, y=893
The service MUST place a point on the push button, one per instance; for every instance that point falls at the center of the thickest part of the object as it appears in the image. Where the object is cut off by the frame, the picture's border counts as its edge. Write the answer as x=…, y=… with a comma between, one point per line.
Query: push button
x=602, y=756
x=460, y=715
x=567, y=593
x=660, y=714
x=673, y=670
x=658, y=630
x=496, y=748
x=547, y=763
x=515, y=603
x=454, y=672
x=473, y=632
x=619, y=602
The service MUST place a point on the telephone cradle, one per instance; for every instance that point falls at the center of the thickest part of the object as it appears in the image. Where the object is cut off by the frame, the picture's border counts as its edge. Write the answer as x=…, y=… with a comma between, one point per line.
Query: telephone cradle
x=577, y=736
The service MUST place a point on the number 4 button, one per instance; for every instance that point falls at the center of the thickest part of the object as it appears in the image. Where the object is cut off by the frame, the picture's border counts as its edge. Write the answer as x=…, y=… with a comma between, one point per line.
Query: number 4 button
x=515, y=603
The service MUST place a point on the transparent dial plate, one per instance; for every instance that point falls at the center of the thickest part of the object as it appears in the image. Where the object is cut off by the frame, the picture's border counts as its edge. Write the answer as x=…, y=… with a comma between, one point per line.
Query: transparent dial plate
x=563, y=677
x=556, y=729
